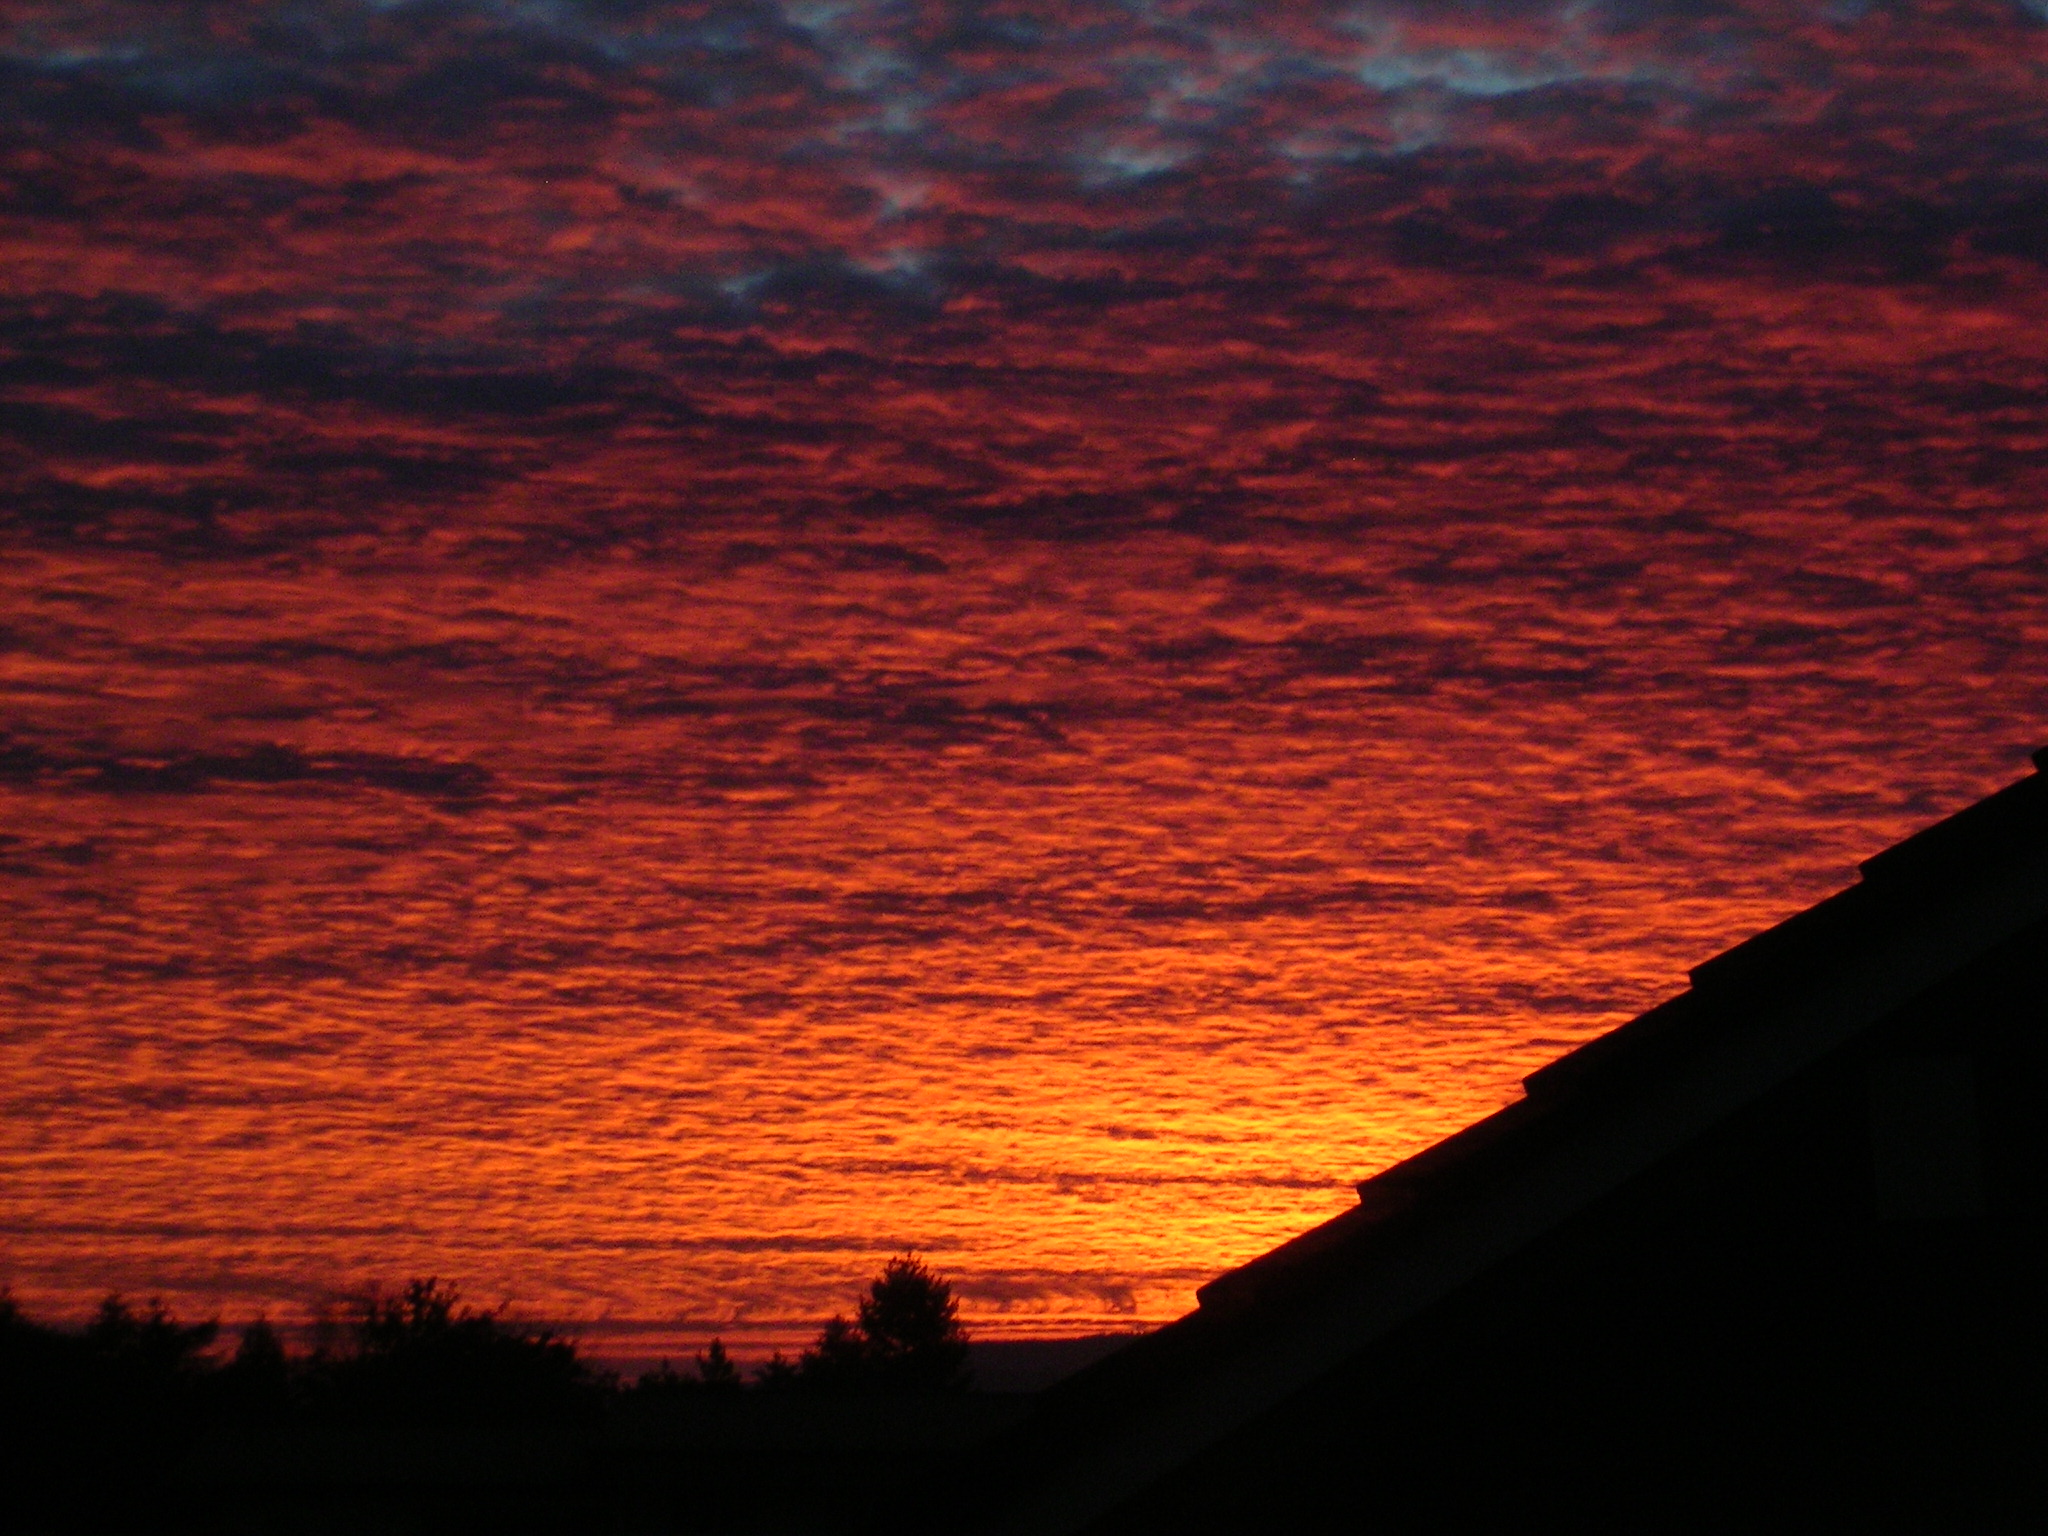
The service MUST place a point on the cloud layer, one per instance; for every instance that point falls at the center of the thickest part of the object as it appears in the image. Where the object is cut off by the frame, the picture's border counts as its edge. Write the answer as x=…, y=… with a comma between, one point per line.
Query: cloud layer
x=649, y=651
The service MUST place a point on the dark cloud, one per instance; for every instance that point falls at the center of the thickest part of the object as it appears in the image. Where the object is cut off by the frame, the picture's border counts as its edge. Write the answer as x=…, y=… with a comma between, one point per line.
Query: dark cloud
x=185, y=773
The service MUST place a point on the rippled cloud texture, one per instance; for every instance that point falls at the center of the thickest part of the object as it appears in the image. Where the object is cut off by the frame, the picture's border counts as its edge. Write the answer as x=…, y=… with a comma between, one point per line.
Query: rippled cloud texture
x=651, y=651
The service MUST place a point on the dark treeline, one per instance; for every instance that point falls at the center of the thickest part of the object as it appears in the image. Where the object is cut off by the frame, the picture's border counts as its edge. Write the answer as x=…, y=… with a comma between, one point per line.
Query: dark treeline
x=414, y=1387
x=905, y=1337
x=421, y=1347
x=418, y=1348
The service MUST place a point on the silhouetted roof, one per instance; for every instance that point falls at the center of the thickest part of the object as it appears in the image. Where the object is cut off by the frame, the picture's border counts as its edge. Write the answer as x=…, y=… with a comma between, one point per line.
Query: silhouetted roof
x=1752, y=1017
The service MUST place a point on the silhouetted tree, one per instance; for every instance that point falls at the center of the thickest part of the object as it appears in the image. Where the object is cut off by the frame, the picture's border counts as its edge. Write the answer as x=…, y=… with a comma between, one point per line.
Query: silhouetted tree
x=839, y=1359
x=906, y=1337
x=259, y=1376
x=103, y=1418
x=777, y=1372
x=422, y=1348
x=21, y=1340
x=36, y=1363
x=425, y=1318
x=715, y=1374
x=913, y=1331
x=663, y=1381
x=150, y=1347
x=98, y=1416
x=715, y=1368
x=260, y=1350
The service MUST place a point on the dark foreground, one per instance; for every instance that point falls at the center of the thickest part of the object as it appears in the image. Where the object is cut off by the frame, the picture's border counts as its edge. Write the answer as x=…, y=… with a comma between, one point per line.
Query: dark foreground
x=414, y=1412
x=757, y=1462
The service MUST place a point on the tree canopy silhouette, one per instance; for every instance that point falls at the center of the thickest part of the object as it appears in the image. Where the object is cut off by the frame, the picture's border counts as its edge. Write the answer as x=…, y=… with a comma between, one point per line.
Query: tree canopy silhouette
x=715, y=1368
x=424, y=1347
x=716, y=1373
x=905, y=1337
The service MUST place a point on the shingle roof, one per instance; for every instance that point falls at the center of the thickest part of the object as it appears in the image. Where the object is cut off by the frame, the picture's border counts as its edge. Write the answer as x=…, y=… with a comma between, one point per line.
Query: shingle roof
x=1751, y=1018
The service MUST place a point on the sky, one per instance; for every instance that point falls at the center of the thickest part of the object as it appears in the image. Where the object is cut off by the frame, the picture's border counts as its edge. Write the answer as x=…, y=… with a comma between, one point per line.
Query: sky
x=651, y=652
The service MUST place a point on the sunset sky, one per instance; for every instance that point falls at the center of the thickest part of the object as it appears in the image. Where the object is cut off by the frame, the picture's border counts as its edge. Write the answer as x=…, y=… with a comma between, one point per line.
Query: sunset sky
x=649, y=652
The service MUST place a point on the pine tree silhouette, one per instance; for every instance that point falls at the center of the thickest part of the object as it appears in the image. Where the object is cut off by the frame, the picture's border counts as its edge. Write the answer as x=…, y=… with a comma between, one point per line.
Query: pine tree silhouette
x=715, y=1368
x=906, y=1337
